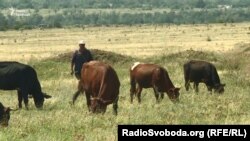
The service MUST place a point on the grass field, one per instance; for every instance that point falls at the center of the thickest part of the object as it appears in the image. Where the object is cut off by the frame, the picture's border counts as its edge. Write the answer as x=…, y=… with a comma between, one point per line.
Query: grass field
x=225, y=45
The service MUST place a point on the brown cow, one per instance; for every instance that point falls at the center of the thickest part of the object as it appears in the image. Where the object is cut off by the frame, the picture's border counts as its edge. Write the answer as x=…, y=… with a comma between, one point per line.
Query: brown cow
x=101, y=85
x=4, y=115
x=151, y=76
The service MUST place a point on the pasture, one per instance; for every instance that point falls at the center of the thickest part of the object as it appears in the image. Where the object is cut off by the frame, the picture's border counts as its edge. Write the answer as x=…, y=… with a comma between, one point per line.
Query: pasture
x=49, y=50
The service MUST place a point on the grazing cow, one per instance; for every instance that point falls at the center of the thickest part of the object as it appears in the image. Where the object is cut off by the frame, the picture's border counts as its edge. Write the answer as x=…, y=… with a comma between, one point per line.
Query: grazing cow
x=23, y=78
x=4, y=115
x=151, y=76
x=101, y=85
x=202, y=72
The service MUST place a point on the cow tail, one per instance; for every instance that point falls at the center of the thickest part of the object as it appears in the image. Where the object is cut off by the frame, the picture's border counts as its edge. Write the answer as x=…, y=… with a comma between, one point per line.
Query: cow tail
x=102, y=89
x=186, y=69
x=115, y=105
x=132, y=83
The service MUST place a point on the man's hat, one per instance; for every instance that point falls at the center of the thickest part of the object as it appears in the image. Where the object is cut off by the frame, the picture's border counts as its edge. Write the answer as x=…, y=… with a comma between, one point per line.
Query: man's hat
x=81, y=42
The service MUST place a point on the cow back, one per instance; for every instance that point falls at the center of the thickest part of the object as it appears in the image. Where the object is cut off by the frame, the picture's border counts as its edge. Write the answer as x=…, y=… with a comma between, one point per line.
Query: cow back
x=21, y=77
x=201, y=71
x=152, y=76
x=148, y=75
x=100, y=80
x=142, y=74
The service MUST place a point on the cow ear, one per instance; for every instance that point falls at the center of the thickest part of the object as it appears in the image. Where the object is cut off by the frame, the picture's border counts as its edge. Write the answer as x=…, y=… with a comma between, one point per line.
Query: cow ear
x=46, y=96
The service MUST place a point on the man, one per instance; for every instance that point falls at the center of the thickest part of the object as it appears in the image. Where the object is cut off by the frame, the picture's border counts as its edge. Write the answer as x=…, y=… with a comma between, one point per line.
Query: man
x=80, y=57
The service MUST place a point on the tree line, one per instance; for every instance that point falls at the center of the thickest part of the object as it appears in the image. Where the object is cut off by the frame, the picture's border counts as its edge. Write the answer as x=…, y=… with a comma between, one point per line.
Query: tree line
x=181, y=12
x=80, y=18
x=173, y=4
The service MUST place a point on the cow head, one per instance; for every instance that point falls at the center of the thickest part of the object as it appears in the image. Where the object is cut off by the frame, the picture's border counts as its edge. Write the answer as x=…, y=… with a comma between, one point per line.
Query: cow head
x=219, y=88
x=4, y=115
x=174, y=94
x=98, y=105
x=39, y=99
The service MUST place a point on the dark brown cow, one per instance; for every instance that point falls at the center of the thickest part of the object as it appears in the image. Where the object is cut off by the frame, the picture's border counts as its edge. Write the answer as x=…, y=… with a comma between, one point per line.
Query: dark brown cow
x=202, y=72
x=4, y=115
x=101, y=85
x=151, y=76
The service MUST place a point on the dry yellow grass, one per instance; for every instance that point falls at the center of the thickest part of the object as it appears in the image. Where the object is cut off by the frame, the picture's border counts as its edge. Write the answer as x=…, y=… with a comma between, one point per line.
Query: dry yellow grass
x=141, y=40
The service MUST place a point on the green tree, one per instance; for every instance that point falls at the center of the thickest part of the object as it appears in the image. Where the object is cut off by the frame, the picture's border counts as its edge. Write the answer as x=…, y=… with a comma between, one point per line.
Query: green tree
x=35, y=20
x=200, y=4
x=54, y=21
x=22, y=4
x=3, y=22
x=2, y=3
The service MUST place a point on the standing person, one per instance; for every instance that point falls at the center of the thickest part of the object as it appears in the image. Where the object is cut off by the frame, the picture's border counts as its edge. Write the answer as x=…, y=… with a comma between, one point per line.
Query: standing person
x=81, y=56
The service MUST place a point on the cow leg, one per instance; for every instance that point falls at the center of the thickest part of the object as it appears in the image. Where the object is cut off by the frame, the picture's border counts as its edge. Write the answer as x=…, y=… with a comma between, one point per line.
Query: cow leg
x=26, y=100
x=162, y=95
x=156, y=93
x=104, y=109
x=88, y=100
x=115, y=105
x=79, y=91
x=196, y=87
x=20, y=98
x=187, y=84
x=75, y=96
x=23, y=95
x=139, y=90
x=26, y=103
x=132, y=92
x=209, y=89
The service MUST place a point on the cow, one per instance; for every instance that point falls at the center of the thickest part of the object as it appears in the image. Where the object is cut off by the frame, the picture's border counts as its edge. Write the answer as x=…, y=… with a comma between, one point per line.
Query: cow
x=23, y=78
x=198, y=71
x=4, y=115
x=151, y=76
x=101, y=85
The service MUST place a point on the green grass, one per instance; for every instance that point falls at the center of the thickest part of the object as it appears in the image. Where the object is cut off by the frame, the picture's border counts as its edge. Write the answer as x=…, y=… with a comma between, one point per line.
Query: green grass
x=60, y=121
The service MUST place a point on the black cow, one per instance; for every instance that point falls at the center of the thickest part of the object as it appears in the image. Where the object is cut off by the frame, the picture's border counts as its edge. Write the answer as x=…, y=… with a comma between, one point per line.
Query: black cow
x=201, y=71
x=4, y=115
x=23, y=78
